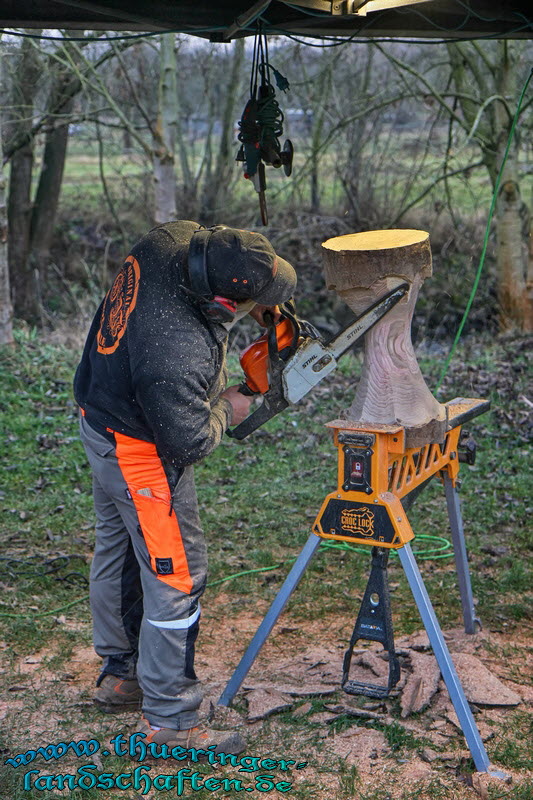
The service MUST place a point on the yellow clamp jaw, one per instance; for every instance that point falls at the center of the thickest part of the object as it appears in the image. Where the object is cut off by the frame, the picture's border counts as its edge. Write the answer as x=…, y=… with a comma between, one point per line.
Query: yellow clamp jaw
x=376, y=471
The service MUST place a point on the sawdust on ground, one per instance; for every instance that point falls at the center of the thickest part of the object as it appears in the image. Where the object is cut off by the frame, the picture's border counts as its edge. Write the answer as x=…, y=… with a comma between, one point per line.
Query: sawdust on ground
x=296, y=680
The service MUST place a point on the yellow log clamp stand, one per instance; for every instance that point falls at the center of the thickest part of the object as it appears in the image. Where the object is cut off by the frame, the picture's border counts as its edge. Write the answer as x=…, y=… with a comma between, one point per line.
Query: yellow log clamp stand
x=376, y=472
x=379, y=477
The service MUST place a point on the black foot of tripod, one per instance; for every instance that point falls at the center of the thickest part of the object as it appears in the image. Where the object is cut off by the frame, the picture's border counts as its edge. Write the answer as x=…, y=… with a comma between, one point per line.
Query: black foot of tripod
x=374, y=623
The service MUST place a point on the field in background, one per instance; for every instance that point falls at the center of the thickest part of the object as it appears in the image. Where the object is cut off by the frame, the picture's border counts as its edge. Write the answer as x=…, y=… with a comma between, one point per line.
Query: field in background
x=411, y=164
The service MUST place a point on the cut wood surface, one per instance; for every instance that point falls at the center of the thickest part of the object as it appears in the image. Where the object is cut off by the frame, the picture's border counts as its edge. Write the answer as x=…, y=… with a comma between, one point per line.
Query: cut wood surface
x=377, y=240
x=357, y=260
x=361, y=268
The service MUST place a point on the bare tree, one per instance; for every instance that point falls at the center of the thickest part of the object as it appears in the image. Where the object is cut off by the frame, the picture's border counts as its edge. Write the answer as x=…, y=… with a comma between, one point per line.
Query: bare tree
x=188, y=134
x=491, y=75
x=46, y=199
x=320, y=88
x=220, y=167
x=26, y=70
x=479, y=98
x=6, y=308
x=345, y=126
x=43, y=83
x=164, y=133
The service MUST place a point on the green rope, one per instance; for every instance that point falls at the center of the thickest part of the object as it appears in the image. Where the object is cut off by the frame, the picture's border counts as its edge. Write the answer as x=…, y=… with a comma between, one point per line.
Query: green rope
x=422, y=555
x=247, y=572
x=487, y=232
x=444, y=549
x=445, y=545
x=47, y=613
x=270, y=119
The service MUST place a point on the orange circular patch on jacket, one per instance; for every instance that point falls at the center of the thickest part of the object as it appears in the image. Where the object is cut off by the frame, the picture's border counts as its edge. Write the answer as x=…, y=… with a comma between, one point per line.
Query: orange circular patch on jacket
x=118, y=304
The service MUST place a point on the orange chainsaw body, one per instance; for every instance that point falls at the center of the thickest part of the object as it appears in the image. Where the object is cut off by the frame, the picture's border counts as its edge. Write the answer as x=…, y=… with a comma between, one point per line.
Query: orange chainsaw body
x=254, y=358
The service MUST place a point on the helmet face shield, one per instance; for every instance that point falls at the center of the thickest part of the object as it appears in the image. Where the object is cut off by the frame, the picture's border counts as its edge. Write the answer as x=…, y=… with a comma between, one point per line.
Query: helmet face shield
x=243, y=308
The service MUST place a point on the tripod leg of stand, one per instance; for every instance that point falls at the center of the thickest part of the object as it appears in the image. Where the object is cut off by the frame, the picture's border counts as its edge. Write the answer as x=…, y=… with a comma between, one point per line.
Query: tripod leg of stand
x=444, y=660
x=472, y=623
x=291, y=582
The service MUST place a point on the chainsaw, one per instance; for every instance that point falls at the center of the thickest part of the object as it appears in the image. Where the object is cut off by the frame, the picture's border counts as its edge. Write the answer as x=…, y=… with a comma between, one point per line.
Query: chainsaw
x=284, y=364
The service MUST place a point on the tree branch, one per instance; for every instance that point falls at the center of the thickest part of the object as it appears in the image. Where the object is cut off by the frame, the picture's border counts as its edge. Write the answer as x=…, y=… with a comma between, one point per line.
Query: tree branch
x=102, y=89
x=402, y=66
x=70, y=91
x=430, y=187
x=133, y=90
x=344, y=123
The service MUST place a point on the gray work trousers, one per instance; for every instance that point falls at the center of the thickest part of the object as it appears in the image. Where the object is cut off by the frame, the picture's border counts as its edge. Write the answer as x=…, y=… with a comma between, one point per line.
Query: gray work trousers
x=143, y=624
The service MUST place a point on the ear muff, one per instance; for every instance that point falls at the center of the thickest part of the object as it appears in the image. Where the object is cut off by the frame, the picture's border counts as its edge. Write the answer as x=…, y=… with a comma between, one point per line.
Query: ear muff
x=216, y=308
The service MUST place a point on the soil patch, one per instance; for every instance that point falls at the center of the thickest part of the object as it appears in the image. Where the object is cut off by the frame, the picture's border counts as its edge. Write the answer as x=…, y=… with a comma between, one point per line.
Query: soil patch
x=291, y=707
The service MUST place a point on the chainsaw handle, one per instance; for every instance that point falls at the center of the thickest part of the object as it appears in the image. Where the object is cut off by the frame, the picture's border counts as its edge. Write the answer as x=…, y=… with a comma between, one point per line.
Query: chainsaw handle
x=268, y=319
x=273, y=352
x=274, y=399
x=276, y=363
x=245, y=390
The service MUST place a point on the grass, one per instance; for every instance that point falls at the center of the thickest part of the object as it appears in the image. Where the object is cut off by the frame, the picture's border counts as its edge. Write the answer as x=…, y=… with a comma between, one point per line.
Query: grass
x=45, y=503
x=514, y=745
x=259, y=499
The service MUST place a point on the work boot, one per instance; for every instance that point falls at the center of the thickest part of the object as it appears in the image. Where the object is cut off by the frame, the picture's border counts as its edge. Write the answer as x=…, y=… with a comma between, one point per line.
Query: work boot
x=118, y=694
x=201, y=737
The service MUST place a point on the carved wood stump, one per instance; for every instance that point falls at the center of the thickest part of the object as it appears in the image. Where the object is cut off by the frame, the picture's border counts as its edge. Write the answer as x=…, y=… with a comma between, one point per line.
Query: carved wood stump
x=361, y=268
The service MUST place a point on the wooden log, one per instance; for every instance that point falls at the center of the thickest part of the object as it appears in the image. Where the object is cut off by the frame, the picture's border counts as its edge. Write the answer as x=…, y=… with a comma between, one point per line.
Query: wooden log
x=361, y=268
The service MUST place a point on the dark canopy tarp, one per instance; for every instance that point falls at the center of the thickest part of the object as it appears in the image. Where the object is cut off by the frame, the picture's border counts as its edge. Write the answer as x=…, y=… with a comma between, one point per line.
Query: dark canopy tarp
x=220, y=20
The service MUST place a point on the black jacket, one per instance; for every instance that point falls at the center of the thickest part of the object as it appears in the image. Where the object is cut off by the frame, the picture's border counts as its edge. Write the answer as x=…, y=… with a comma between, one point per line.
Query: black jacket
x=153, y=366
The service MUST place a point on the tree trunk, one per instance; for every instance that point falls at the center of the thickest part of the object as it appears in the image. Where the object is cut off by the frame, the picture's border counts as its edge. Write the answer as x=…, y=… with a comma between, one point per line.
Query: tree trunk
x=512, y=216
x=19, y=215
x=6, y=308
x=47, y=195
x=355, y=180
x=165, y=135
x=216, y=188
x=319, y=117
x=529, y=279
x=19, y=199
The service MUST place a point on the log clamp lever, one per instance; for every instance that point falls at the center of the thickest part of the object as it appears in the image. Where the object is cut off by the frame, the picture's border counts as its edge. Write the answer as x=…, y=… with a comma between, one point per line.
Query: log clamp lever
x=374, y=624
